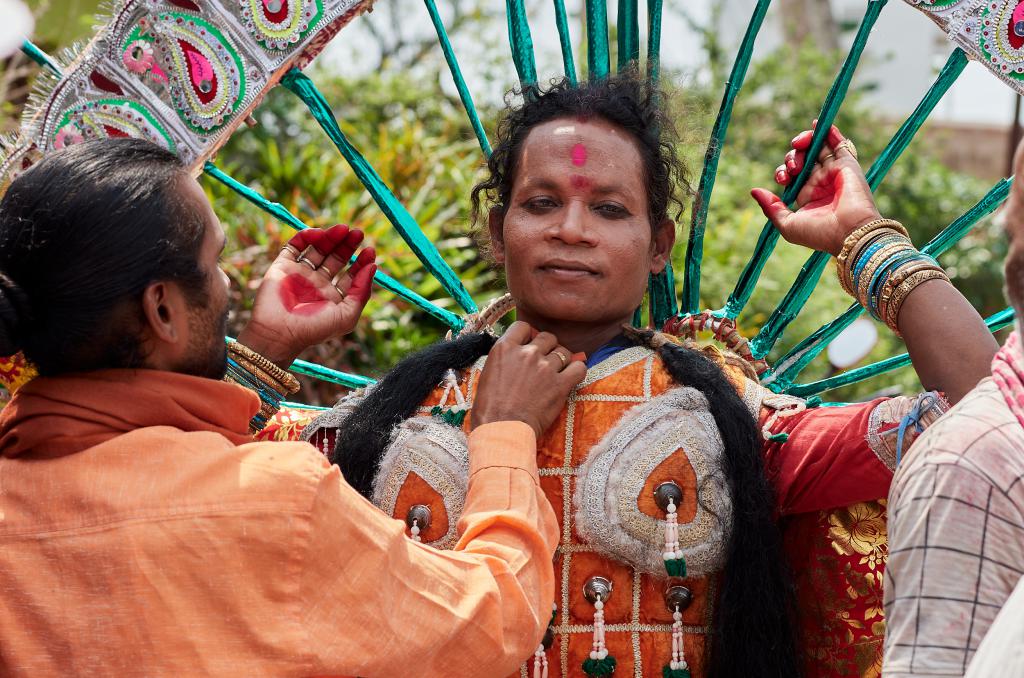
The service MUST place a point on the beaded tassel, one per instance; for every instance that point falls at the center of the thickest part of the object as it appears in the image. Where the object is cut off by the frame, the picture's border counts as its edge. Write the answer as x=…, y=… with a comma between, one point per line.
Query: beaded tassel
x=540, y=663
x=675, y=564
x=599, y=664
x=677, y=668
x=454, y=415
x=414, y=530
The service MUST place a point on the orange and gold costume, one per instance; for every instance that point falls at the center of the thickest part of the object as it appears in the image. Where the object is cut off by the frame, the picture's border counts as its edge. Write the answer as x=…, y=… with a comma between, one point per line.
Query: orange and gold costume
x=834, y=457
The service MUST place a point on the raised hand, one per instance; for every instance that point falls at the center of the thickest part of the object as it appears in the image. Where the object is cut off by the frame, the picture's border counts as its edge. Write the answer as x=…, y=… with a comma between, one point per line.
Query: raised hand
x=527, y=378
x=310, y=294
x=834, y=202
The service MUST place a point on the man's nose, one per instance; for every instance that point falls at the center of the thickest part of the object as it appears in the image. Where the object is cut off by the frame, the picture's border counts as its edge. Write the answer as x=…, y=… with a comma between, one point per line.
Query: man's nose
x=574, y=228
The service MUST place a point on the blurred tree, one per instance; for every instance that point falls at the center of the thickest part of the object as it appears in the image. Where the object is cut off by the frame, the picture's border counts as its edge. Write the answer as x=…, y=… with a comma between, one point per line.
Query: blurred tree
x=398, y=108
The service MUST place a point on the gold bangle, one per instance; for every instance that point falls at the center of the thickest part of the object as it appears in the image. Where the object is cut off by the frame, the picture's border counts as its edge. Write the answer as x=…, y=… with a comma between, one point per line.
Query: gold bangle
x=897, y=278
x=850, y=255
x=877, y=259
x=289, y=383
x=904, y=290
x=260, y=374
x=855, y=237
x=888, y=236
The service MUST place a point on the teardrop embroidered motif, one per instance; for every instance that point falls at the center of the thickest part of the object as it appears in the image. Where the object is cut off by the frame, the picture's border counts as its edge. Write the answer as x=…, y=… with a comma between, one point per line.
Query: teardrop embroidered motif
x=109, y=118
x=1002, y=36
x=206, y=74
x=279, y=24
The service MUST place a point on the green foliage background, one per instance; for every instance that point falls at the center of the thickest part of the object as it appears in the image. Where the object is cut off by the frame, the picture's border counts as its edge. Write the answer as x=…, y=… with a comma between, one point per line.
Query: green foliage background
x=418, y=138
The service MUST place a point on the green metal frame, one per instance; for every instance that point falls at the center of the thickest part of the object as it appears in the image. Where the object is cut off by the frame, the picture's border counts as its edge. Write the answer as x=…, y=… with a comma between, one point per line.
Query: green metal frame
x=664, y=303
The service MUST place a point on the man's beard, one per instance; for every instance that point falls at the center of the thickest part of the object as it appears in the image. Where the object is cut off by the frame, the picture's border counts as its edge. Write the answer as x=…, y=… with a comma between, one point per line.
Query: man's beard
x=208, y=351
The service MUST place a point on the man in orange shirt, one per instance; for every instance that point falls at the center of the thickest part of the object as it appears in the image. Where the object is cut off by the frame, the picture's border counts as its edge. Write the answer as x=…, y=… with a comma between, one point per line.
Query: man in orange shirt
x=142, y=532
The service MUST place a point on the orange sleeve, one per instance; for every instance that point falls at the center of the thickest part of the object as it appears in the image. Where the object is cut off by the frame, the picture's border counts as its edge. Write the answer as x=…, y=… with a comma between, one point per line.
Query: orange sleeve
x=374, y=602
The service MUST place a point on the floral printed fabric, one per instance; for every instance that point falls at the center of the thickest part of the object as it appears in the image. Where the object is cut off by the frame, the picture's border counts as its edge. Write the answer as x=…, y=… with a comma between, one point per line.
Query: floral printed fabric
x=838, y=559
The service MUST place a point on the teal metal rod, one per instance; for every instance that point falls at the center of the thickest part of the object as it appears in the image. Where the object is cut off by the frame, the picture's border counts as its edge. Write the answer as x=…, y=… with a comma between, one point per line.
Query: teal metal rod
x=789, y=366
x=628, y=30
x=327, y=374
x=598, y=55
x=796, y=298
x=460, y=82
x=995, y=322
x=699, y=218
x=382, y=279
x=274, y=209
x=303, y=87
x=769, y=235
x=521, y=41
x=654, y=11
x=37, y=55
x=565, y=41
x=662, y=291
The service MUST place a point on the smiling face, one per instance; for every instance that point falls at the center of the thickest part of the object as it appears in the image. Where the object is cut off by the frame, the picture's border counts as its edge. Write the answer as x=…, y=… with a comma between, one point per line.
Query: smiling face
x=576, y=239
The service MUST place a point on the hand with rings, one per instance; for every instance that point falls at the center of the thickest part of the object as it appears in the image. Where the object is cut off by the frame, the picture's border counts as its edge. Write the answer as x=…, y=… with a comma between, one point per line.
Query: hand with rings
x=311, y=293
x=527, y=378
x=835, y=201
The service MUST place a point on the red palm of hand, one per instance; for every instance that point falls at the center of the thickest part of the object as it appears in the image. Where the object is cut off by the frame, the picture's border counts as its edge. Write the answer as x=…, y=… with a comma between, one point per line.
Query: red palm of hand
x=307, y=297
x=834, y=202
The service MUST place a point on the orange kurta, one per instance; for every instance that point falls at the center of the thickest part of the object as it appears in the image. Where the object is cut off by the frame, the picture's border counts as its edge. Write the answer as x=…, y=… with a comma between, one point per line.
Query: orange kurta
x=143, y=533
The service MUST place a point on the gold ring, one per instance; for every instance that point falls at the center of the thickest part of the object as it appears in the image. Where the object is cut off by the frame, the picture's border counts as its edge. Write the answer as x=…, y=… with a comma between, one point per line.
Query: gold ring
x=561, y=357
x=848, y=145
x=301, y=259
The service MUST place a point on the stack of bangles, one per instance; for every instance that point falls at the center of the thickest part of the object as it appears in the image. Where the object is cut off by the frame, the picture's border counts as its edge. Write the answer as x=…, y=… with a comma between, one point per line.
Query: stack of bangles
x=248, y=368
x=879, y=267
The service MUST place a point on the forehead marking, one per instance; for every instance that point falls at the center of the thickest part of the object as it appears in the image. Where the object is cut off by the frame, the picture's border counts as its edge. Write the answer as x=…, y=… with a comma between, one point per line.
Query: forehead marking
x=578, y=182
x=579, y=155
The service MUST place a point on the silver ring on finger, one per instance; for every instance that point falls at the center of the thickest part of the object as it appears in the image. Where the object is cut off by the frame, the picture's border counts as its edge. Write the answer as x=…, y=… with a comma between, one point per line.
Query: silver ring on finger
x=335, y=280
x=301, y=259
x=326, y=272
x=292, y=249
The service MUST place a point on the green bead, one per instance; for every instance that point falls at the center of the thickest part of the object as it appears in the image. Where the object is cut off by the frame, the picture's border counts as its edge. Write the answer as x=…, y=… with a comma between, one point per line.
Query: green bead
x=676, y=567
x=667, y=672
x=778, y=438
x=599, y=667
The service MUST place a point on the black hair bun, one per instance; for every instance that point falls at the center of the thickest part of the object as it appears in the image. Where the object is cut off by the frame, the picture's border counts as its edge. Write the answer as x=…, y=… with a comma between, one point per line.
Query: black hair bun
x=15, y=314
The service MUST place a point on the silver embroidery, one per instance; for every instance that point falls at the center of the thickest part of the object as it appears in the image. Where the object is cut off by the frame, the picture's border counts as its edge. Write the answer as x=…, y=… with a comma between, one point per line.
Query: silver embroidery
x=612, y=477
x=437, y=453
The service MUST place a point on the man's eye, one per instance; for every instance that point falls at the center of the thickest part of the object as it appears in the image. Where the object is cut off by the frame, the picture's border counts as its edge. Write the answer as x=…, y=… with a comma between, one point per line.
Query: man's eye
x=612, y=210
x=540, y=203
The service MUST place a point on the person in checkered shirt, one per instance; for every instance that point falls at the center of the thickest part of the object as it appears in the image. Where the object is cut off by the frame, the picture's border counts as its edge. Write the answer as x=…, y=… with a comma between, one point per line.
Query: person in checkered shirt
x=956, y=510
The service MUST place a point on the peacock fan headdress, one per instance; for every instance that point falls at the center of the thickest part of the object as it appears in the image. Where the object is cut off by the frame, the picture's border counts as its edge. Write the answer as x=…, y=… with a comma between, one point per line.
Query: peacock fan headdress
x=186, y=73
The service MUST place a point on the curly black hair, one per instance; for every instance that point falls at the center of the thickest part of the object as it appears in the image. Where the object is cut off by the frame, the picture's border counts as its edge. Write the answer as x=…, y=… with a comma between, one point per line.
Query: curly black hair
x=625, y=100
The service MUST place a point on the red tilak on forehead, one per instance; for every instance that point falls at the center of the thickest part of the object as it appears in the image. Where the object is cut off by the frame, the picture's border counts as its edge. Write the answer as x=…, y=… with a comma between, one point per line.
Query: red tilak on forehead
x=578, y=182
x=299, y=296
x=579, y=155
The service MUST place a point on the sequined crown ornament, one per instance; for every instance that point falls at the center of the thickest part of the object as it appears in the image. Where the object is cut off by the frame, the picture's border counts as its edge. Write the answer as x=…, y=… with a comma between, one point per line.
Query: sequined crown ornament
x=180, y=73
x=990, y=31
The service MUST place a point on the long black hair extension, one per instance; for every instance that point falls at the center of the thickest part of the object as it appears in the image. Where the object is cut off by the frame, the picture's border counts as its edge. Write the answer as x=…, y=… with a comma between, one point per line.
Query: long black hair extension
x=755, y=633
x=393, y=400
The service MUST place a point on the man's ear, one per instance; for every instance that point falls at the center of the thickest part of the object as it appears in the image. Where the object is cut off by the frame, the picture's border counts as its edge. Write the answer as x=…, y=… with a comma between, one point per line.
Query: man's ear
x=664, y=239
x=495, y=225
x=162, y=313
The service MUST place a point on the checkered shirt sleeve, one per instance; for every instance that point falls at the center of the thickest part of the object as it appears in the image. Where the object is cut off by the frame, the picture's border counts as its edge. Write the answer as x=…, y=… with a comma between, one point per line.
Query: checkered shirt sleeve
x=956, y=536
